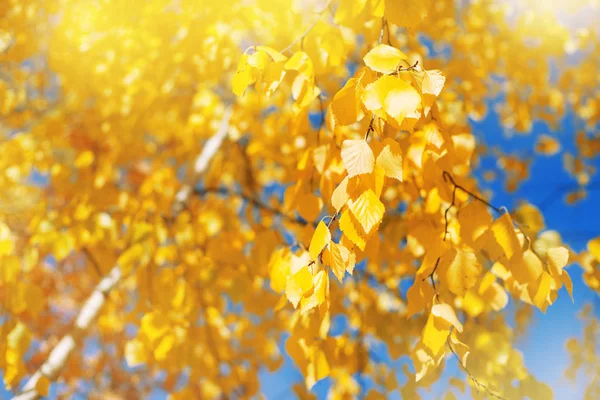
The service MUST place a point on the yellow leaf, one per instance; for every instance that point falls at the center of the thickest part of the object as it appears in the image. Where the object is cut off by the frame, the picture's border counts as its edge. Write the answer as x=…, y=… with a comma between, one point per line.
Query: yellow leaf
x=474, y=220
x=10, y=270
x=320, y=239
x=298, y=285
x=473, y=304
x=504, y=232
x=130, y=257
x=345, y=105
x=357, y=157
x=154, y=325
x=406, y=13
x=243, y=76
x=348, y=10
x=530, y=218
x=135, y=353
x=424, y=361
x=298, y=61
x=339, y=197
x=349, y=227
x=436, y=330
x=391, y=96
x=274, y=54
x=435, y=333
x=13, y=355
x=566, y=280
x=279, y=270
x=527, y=268
x=557, y=257
x=319, y=293
x=594, y=248
x=84, y=159
x=161, y=352
x=336, y=257
x=430, y=84
x=390, y=160
x=535, y=390
x=368, y=210
x=541, y=291
x=384, y=58
x=63, y=245
x=318, y=366
x=309, y=206
x=446, y=313
x=42, y=386
x=418, y=297
x=547, y=145
x=462, y=273
x=459, y=347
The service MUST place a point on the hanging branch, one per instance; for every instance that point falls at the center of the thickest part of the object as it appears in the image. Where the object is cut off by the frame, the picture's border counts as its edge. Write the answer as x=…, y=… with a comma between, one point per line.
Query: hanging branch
x=476, y=383
x=256, y=203
x=308, y=29
x=93, y=306
x=447, y=177
x=500, y=210
x=60, y=353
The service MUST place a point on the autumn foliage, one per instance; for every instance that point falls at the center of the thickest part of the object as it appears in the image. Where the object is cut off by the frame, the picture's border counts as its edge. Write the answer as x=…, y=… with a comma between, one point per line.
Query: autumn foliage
x=192, y=190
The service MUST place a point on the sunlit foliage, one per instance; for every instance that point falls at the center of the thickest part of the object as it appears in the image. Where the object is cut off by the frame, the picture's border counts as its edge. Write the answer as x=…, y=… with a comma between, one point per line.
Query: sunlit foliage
x=340, y=165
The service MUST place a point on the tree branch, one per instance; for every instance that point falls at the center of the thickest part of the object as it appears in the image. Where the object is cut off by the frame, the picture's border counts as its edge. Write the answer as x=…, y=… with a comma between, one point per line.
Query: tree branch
x=91, y=309
x=256, y=203
x=60, y=353
x=202, y=161
x=476, y=383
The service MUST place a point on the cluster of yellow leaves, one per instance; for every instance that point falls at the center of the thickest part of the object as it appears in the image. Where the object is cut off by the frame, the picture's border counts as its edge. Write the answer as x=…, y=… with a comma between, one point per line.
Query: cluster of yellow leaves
x=266, y=67
x=141, y=89
x=399, y=97
x=582, y=353
x=590, y=262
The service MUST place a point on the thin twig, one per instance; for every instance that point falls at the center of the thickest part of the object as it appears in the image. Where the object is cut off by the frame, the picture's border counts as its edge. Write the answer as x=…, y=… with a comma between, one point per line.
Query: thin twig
x=93, y=261
x=307, y=31
x=475, y=381
x=370, y=128
x=447, y=177
x=256, y=203
x=447, y=210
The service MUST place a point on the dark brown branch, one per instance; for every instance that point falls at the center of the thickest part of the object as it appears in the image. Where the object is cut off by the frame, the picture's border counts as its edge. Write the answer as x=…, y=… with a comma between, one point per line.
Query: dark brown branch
x=256, y=203
x=448, y=177
x=370, y=128
x=93, y=261
x=409, y=68
x=430, y=276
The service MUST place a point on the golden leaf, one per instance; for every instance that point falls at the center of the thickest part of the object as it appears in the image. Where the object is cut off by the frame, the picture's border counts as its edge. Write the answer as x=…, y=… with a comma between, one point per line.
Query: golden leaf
x=384, y=58
x=320, y=239
x=368, y=210
x=391, y=97
x=358, y=157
